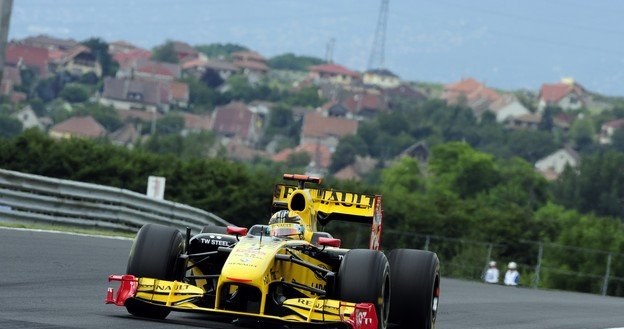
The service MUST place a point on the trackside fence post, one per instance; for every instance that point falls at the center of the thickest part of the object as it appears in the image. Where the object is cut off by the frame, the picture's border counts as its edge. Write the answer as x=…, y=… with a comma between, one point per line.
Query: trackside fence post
x=427, y=240
x=538, y=266
x=605, y=283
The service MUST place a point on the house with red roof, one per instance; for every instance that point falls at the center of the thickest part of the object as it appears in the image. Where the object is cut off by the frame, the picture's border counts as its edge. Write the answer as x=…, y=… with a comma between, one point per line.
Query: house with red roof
x=251, y=64
x=195, y=122
x=79, y=61
x=128, y=60
x=159, y=71
x=333, y=73
x=81, y=127
x=567, y=94
x=120, y=46
x=236, y=120
x=608, y=129
x=325, y=130
x=320, y=156
x=471, y=93
x=12, y=78
x=184, y=51
x=50, y=43
x=34, y=58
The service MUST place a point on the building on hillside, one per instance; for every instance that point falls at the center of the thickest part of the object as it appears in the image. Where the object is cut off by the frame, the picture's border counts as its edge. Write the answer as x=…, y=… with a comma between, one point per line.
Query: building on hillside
x=24, y=56
x=567, y=94
x=194, y=123
x=79, y=61
x=129, y=60
x=381, y=78
x=120, y=47
x=471, y=93
x=404, y=92
x=157, y=71
x=320, y=157
x=332, y=73
x=78, y=127
x=251, y=64
x=12, y=78
x=529, y=121
x=507, y=107
x=126, y=136
x=608, y=129
x=198, y=67
x=364, y=105
x=123, y=94
x=554, y=164
x=184, y=51
x=28, y=118
x=235, y=120
x=50, y=43
x=324, y=130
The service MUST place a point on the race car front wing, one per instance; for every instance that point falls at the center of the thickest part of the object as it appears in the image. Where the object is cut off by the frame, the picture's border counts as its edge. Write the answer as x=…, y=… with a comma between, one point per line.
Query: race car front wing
x=180, y=296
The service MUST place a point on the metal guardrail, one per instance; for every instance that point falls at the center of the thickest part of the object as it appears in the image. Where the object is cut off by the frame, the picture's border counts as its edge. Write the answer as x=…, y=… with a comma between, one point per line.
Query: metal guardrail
x=33, y=198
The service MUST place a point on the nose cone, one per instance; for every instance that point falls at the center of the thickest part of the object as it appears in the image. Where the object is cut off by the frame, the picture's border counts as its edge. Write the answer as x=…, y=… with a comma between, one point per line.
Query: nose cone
x=250, y=260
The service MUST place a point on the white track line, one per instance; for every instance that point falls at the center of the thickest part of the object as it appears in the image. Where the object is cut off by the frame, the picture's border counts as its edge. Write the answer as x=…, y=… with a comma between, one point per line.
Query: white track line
x=68, y=233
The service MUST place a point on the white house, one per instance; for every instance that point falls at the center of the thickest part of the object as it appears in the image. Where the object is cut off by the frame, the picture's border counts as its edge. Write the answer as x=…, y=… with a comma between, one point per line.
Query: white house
x=28, y=118
x=553, y=165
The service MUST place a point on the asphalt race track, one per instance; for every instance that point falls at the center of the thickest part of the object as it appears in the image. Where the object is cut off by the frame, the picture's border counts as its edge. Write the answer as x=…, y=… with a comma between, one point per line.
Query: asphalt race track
x=52, y=281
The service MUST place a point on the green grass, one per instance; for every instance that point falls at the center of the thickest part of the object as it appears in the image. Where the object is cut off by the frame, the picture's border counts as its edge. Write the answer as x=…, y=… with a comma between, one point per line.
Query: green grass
x=69, y=228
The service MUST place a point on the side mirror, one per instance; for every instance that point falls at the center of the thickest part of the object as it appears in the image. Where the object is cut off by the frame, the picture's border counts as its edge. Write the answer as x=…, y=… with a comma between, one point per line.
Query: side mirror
x=235, y=230
x=329, y=242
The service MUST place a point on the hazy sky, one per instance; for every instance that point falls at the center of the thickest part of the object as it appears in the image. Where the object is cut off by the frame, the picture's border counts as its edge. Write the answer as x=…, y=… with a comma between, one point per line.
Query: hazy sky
x=507, y=44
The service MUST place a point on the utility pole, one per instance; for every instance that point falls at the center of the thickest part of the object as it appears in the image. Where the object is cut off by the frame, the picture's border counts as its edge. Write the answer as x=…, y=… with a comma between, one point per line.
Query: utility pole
x=5, y=16
x=329, y=51
x=376, y=60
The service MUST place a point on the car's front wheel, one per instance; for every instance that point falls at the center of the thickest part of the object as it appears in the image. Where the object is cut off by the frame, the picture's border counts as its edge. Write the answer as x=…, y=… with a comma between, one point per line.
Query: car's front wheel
x=364, y=277
x=155, y=254
x=415, y=277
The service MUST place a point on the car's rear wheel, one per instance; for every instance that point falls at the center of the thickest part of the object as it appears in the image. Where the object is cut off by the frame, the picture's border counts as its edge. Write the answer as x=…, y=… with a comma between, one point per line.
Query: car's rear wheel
x=415, y=282
x=155, y=254
x=364, y=277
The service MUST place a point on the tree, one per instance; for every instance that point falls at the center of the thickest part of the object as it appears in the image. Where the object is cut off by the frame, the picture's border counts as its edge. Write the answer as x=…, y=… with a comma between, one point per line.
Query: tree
x=9, y=127
x=74, y=93
x=293, y=62
x=165, y=53
x=219, y=50
x=212, y=79
x=582, y=133
x=99, y=48
x=170, y=124
x=462, y=169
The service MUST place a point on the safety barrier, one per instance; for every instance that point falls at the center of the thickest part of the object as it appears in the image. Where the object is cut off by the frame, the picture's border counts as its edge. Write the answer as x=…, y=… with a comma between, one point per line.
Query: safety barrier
x=33, y=198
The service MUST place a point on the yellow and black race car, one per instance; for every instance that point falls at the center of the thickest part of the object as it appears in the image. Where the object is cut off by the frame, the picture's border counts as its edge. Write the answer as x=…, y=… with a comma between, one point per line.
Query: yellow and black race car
x=285, y=272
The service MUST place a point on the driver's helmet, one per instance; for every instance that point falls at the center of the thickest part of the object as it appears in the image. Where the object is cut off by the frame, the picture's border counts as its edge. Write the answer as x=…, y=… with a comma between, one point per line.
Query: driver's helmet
x=286, y=224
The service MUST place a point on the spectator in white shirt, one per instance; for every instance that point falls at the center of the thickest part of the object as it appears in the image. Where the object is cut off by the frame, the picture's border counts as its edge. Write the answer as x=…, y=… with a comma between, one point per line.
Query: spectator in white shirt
x=491, y=275
x=512, y=277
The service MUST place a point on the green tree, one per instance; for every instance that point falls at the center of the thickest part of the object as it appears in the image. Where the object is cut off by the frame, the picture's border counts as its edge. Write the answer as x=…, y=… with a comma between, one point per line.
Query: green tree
x=74, y=93
x=99, y=48
x=165, y=53
x=582, y=133
x=9, y=127
x=220, y=50
x=293, y=62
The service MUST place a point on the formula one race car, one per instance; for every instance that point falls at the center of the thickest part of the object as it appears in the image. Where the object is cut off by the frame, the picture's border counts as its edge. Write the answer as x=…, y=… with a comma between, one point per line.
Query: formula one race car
x=285, y=272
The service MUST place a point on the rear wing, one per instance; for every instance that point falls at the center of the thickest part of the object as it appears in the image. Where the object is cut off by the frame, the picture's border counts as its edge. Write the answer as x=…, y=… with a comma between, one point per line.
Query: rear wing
x=333, y=205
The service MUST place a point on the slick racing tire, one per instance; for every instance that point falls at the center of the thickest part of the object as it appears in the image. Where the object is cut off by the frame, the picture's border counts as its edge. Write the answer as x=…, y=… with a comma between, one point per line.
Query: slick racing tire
x=364, y=277
x=155, y=254
x=415, y=286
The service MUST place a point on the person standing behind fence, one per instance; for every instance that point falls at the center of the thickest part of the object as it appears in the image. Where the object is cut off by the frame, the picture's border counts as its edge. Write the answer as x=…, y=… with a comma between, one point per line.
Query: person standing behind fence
x=512, y=277
x=491, y=275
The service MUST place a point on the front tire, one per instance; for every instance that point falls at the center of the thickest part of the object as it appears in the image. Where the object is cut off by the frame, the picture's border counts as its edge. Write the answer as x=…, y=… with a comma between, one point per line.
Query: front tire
x=155, y=254
x=415, y=278
x=364, y=277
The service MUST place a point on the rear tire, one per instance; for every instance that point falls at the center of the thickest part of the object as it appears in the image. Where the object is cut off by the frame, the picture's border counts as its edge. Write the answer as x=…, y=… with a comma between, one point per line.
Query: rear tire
x=155, y=254
x=415, y=282
x=364, y=277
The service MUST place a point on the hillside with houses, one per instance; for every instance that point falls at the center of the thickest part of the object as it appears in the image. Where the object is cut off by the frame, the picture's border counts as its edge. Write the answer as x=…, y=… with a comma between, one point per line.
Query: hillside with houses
x=324, y=118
